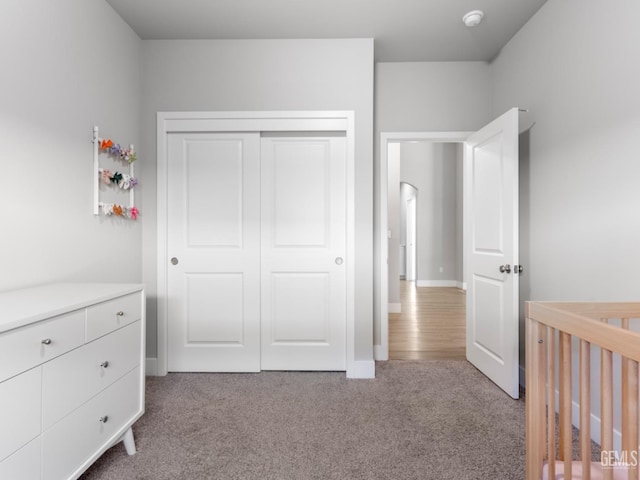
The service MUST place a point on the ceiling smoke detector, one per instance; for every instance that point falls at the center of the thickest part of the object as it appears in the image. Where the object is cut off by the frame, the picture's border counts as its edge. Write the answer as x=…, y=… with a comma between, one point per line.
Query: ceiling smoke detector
x=473, y=18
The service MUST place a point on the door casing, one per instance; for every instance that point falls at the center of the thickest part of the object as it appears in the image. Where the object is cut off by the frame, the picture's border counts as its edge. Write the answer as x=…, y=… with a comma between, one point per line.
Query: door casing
x=269, y=121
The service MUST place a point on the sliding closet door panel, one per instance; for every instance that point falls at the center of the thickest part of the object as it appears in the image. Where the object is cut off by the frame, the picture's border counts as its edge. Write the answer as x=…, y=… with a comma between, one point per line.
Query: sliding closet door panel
x=303, y=247
x=214, y=251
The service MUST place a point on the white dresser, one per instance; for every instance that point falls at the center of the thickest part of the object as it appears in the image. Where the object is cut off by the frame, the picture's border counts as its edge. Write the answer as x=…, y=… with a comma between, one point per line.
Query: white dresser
x=71, y=376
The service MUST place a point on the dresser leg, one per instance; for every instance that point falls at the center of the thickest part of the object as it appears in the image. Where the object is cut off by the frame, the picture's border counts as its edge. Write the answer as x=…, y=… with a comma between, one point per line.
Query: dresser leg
x=129, y=442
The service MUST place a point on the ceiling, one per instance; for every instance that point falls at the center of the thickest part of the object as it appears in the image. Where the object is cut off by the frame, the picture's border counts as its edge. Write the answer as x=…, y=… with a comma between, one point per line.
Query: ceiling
x=404, y=30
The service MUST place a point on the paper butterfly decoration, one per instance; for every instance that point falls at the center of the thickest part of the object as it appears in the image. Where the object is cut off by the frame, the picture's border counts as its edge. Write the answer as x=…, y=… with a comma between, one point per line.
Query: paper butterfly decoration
x=106, y=144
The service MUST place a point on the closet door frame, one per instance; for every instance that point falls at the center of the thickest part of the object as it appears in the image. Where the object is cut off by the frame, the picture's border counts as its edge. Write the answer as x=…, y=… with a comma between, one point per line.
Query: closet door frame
x=270, y=121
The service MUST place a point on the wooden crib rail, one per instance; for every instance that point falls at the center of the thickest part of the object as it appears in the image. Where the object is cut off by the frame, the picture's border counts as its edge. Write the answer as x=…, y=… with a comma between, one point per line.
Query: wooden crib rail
x=588, y=323
x=597, y=310
x=586, y=328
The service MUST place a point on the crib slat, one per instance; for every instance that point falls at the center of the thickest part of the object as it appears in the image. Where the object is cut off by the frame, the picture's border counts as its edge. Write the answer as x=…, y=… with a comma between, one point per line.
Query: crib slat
x=606, y=404
x=585, y=408
x=551, y=402
x=534, y=358
x=565, y=403
x=629, y=408
x=632, y=415
x=626, y=441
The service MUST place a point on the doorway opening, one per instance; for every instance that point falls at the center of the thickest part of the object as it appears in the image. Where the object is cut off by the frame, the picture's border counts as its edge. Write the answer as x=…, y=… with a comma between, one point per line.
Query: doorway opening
x=425, y=249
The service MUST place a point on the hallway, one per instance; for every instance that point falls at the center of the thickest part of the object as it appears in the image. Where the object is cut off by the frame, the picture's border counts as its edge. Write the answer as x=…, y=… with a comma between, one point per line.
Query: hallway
x=431, y=325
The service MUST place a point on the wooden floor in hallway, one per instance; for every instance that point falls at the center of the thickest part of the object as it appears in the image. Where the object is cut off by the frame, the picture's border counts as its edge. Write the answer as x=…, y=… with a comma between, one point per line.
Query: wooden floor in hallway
x=431, y=325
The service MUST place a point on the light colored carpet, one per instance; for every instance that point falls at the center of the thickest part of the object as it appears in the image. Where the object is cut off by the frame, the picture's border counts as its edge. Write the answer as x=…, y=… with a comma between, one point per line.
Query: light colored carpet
x=436, y=419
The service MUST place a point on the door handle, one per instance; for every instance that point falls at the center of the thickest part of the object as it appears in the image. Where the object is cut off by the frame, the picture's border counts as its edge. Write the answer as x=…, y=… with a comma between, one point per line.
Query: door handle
x=517, y=269
x=339, y=261
x=174, y=261
x=505, y=268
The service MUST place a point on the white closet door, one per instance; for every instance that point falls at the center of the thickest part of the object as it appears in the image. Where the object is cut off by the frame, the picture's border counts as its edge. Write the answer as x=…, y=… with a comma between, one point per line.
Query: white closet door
x=303, y=248
x=214, y=239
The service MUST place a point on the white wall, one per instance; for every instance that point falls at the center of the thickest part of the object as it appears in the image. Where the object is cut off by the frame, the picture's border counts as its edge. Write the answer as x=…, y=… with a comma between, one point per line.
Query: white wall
x=575, y=67
x=266, y=75
x=459, y=214
x=427, y=97
x=431, y=168
x=432, y=96
x=581, y=87
x=66, y=66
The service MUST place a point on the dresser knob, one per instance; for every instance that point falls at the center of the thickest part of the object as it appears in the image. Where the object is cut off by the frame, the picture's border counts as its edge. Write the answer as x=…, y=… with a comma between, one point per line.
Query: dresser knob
x=105, y=364
x=120, y=313
x=104, y=419
x=46, y=341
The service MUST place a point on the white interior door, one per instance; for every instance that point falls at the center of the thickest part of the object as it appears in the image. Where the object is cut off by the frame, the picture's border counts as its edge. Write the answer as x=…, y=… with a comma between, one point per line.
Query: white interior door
x=303, y=253
x=213, y=236
x=491, y=250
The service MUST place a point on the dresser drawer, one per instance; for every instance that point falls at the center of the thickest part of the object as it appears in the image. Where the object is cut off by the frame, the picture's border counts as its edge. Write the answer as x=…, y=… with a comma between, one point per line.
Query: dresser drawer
x=24, y=464
x=73, y=443
x=72, y=379
x=26, y=347
x=19, y=411
x=113, y=314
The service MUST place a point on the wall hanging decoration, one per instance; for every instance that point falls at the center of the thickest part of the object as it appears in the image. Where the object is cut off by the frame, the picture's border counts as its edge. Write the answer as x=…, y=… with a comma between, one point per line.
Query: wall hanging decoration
x=124, y=181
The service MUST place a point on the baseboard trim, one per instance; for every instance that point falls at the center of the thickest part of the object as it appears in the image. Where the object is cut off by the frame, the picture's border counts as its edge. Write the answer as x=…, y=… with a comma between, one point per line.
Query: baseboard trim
x=395, y=308
x=439, y=283
x=151, y=367
x=363, y=369
x=379, y=354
